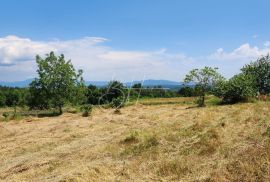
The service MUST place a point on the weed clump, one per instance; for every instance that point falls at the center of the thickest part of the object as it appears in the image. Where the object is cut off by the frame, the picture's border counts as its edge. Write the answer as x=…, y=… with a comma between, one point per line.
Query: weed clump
x=132, y=138
x=5, y=115
x=86, y=110
x=140, y=143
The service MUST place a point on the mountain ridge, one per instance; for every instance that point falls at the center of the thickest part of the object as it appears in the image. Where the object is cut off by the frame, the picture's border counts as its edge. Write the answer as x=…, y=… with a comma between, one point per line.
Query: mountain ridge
x=146, y=83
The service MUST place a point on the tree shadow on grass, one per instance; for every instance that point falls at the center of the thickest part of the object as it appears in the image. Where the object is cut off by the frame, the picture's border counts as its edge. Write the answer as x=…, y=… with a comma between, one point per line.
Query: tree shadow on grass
x=41, y=114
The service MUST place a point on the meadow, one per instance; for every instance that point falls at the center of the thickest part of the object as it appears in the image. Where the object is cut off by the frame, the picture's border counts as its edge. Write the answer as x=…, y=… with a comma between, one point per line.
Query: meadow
x=151, y=140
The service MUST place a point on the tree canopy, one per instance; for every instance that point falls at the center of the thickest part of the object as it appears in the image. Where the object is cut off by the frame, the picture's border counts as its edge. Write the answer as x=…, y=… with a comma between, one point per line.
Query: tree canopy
x=57, y=81
x=204, y=79
x=260, y=70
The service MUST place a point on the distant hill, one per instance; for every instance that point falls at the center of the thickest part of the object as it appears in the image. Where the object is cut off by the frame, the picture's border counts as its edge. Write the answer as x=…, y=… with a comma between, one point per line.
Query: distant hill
x=154, y=82
x=23, y=83
x=146, y=83
x=151, y=83
x=97, y=83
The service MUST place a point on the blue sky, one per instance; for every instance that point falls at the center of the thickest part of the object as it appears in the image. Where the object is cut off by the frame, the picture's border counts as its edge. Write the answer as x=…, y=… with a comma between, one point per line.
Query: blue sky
x=172, y=34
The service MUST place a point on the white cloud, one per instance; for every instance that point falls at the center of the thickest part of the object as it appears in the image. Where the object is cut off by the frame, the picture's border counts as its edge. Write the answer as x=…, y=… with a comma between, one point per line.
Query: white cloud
x=244, y=52
x=231, y=62
x=100, y=62
x=14, y=49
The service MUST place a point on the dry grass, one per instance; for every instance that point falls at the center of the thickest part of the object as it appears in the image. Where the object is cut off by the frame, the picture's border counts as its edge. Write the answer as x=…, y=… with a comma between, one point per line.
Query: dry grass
x=143, y=143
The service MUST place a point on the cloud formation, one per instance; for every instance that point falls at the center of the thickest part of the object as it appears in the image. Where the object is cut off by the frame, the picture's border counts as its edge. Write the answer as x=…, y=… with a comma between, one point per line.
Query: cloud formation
x=100, y=62
x=243, y=52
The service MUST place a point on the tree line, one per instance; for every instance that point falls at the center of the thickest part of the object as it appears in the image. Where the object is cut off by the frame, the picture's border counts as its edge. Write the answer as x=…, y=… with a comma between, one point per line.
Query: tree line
x=252, y=81
x=58, y=83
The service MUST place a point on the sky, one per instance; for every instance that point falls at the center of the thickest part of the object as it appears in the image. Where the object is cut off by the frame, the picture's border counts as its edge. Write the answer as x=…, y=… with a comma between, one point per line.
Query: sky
x=133, y=39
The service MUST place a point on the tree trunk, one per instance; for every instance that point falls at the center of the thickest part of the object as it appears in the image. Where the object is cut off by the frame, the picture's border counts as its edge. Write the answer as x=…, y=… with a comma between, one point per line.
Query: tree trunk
x=203, y=99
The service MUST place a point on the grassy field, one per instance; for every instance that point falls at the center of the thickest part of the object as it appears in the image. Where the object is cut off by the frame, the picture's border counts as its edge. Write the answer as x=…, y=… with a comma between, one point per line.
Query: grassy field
x=153, y=140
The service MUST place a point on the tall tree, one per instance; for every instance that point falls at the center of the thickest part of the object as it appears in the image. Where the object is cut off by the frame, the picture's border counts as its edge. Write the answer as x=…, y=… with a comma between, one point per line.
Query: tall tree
x=260, y=70
x=204, y=79
x=57, y=80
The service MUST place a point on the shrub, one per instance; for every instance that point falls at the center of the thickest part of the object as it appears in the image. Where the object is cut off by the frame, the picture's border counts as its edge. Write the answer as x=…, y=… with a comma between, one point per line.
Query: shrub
x=117, y=103
x=5, y=115
x=93, y=95
x=260, y=70
x=238, y=88
x=114, y=90
x=86, y=109
x=186, y=92
x=199, y=101
x=12, y=98
x=2, y=99
x=133, y=137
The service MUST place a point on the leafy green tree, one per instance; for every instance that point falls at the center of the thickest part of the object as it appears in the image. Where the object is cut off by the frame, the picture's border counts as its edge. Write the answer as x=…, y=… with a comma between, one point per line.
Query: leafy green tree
x=239, y=88
x=118, y=102
x=137, y=86
x=57, y=80
x=12, y=98
x=114, y=89
x=2, y=99
x=260, y=70
x=205, y=79
x=79, y=96
x=38, y=96
x=186, y=91
x=93, y=95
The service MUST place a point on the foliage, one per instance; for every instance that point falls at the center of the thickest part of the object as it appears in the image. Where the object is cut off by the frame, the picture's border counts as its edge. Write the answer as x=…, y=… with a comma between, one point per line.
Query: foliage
x=200, y=101
x=117, y=103
x=37, y=96
x=12, y=98
x=79, y=97
x=86, y=109
x=188, y=91
x=238, y=88
x=204, y=79
x=93, y=95
x=2, y=99
x=260, y=70
x=57, y=80
x=114, y=90
x=137, y=86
